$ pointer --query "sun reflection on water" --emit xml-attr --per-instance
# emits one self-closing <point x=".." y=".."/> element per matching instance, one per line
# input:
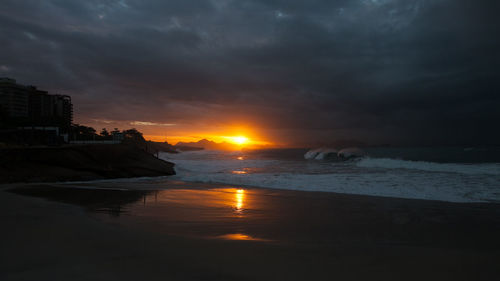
<point x="240" y="236"/>
<point x="240" y="197"/>
<point x="216" y="213"/>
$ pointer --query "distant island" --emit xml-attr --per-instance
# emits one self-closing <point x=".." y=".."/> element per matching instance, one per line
<point x="206" y="144"/>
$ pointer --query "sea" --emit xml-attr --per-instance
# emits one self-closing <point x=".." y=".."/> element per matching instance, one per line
<point x="453" y="174"/>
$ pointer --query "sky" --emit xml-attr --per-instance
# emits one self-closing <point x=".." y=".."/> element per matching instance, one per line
<point x="282" y="72"/>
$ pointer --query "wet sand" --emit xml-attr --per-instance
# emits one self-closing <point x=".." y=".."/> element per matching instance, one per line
<point x="177" y="231"/>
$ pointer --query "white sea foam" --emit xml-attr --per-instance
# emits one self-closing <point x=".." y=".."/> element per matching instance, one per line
<point x="320" y="153"/>
<point x="471" y="169"/>
<point x="368" y="176"/>
<point x="326" y="153"/>
<point x="329" y="153"/>
<point x="351" y="152"/>
<point x="391" y="185"/>
<point x="311" y="154"/>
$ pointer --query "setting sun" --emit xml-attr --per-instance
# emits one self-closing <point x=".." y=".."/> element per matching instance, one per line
<point x="240" y="140"/>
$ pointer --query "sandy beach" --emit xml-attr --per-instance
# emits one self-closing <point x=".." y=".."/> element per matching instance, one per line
<point x="187" y="231"/>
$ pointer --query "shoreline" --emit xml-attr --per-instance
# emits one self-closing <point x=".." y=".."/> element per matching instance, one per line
<point x="333" y="192"/>
<point x="166" y="179"/>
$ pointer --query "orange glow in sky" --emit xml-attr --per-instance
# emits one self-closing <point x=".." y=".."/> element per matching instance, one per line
<point x="239" y="140"/>
<point x="242" y="135"/>
<point x="242" y="138"/>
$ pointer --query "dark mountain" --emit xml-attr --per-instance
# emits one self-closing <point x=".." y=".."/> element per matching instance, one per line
<point x="207" y="144"/>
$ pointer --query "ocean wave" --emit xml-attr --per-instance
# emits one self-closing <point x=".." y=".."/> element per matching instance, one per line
<point x="401" y="185"/>
<point x="369" y="176"/>
<point x="470" y="169"/>
<point x="333" y="154"/>
<point x="351" y="152"/>
<point x="320" y="153"/>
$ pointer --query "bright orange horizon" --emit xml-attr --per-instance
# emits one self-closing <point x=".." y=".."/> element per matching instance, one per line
<point x="242" y="141"/>
<point x="241" y="135"/>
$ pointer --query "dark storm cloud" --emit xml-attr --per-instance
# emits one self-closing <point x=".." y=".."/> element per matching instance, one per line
<point x="416" y="71"/>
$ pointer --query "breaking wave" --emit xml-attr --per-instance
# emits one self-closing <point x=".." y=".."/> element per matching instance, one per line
<point x="320" y="153"/>
<point x="470" y="169"/>
<point x="333" y="154"/>
<point x="454" y="182"/>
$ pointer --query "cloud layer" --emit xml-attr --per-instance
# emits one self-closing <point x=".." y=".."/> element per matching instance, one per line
<point x="416" y="71"/>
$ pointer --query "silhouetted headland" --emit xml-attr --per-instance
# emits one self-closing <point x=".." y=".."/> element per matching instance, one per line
<point x="40" y="143"/>
<point x="79" y="162"/>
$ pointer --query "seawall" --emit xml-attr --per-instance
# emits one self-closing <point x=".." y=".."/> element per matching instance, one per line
<point x="81" y="162"/>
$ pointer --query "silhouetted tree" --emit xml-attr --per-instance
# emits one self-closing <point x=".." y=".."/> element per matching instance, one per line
<point x="104" y="133"/>
<point x="83" y="132"/>
<point x="134" y="135"/>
